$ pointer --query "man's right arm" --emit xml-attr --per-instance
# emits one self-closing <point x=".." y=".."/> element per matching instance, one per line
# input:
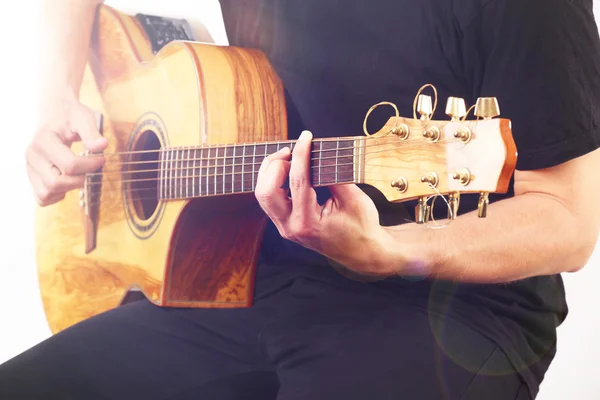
<point x="52" y="167"/>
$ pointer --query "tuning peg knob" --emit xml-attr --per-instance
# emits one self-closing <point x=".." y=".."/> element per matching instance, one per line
<point x="400" y="184"/>
<point x="456" y="108"/>
<point x="482" y="206"/>
<point x="425" y="106"/>
<point x="431" y="179"/>
<point x="487" y="108"/>
<point x="463" y="176"/>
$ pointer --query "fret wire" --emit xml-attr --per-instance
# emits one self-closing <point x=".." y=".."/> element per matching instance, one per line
<point x="243" y="165"/>
<point x="162" y="170"/>
<point x="171" y="174"/>
<point x="181" y="178"/>
<point x="176" y="161"/>
<point x="194" y="173"/>
<point x="233" y="169"/>
<point x="208" y="175"/>
<point x="216" y="159"/>
<point x="179" y="174"/>
<point x="203" y="162"/>
<point x="223" y="186"/>
<point x="223" y="169"/>
<point x="253" y="162"/>
<point x="167" y="175"/>
<point x="264" y="155"/>
<point x="320" y="160"/>
<point x="160" y="187"/>
<point x="337" y="154"/>
<point x="187" y="163"/>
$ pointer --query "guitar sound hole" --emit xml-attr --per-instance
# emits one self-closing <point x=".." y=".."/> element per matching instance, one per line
<point x="144" y="175"/>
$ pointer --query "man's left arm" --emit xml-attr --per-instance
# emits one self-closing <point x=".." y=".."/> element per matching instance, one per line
<point x="550" y="226"/>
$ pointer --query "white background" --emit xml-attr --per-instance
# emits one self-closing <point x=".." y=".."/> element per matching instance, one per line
<point x="575" y="373"/>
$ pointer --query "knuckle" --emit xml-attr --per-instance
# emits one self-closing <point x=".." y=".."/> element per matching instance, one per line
<point x="69" y="166"/>
<point x="42" y="195"/>
<point x="264" y="196"/>
<point x="298" y="233"/>
<point x="70" y="135"/>
<point x="36" y="146"/>
<point x="297" y="182"/>
<point x="52" y="184"/>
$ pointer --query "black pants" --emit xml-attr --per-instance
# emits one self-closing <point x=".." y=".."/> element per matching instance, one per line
<point x="310" y="340"/>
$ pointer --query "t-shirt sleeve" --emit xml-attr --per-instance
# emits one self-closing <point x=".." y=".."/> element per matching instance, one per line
<point x="541" y="59"/>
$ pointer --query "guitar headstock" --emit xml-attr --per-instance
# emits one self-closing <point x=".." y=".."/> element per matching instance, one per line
<point x="412" y="158"/>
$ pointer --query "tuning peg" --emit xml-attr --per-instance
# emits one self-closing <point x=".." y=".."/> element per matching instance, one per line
<point x="400" y="184"/>
<point x="482" y="206"/>
<point x="425" y="106"/>
<point x="463" y="176"/>
<point x="422" y="211"/>
<point x="453" y="202"/>
<point x="487" y="107"/>
<point x="431" y="179"/>
<point x="456" y="108"/>
<point x="432" y="133"/>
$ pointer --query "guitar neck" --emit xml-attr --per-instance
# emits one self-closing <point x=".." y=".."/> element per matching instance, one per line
<point x="193" y="172"/>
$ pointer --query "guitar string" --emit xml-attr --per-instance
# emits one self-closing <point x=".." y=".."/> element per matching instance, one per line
<point x="201" y="190"/>
<point x="257" y="163"/>
<point x="180" y="178"/>
<point x="173" y="173"/>
<point x="286" y="143"/>
<point x="188" y="167"/>
<point x="165" y="164"/>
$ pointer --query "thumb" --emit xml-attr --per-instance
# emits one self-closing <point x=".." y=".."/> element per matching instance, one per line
<point x="87" y="126"/>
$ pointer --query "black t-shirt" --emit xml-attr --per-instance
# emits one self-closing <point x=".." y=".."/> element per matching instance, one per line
<point x="336" y="58"/>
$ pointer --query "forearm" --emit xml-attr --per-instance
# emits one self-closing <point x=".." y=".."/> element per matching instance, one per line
<point x="65" y="34"/>
<point x="528" y="235"/>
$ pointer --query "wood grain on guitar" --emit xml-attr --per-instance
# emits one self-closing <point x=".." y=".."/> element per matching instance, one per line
<point x="174" y="211"/>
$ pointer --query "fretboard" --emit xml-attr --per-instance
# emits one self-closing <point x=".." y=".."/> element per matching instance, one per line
<point x="193" y="172"/>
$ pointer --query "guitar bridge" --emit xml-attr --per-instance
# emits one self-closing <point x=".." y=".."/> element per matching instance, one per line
<point x="90" y="200"/>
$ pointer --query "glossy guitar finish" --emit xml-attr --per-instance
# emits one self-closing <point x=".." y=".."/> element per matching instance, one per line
<point x="184" y="253"/>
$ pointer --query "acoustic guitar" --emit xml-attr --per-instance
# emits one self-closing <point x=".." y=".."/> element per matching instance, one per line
<point x="172" y="214"/>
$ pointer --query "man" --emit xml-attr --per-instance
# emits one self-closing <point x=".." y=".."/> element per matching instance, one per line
<point x="466" y="312"/>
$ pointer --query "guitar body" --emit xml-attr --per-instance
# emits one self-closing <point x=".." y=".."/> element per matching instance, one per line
<point x="177" y="253"/>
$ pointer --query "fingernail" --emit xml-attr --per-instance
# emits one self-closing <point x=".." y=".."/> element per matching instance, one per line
<point x="306" y="135"/>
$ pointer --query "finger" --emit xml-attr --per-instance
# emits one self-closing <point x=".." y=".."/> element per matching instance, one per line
<point x="50" y="176"/>
<point x="68" y="163"/>
<point x="272" y="174"/>
<point x="42" y="194"/>
<point x="85" y="125"/>
<point x="304" y="197"/>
